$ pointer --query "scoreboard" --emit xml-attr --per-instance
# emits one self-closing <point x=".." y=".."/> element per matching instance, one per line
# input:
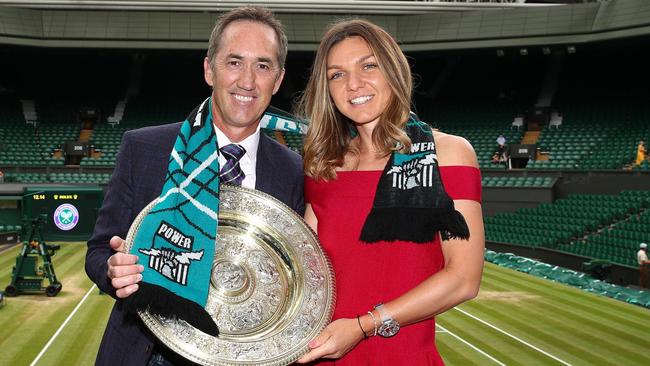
<point x="70" y="212"/>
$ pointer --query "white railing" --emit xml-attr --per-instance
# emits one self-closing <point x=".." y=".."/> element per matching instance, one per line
<point x="118" y="113"/>
<point x="29" y="111"/>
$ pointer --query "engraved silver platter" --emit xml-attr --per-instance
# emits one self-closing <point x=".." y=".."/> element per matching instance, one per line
<point x="271" y="291"/>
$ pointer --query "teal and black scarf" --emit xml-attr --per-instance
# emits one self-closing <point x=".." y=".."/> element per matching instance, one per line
<point x="176" y="239"/>
<point x="175" y="242"/>
<point x="411" y="203"/>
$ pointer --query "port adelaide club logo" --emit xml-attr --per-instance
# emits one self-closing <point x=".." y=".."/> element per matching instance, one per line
<point x="171" y="263"/>
<point x="415" y="170"/>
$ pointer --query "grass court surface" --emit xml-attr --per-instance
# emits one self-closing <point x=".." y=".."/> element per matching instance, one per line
<point x="517" y="319"/>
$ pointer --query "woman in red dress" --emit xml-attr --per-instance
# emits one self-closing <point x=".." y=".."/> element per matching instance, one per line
<point x="396" y="205"/>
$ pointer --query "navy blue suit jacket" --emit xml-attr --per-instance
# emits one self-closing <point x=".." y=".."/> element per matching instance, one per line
<point x="138" y="179"/>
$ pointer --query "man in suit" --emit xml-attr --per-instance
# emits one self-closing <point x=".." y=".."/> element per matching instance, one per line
<point x="244" y="66"/>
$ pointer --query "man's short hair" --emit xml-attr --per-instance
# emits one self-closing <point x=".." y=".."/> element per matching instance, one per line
<point x="252" y="14"/>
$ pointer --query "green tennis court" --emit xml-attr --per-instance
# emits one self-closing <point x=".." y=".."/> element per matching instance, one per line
<point x="517" y="319"/>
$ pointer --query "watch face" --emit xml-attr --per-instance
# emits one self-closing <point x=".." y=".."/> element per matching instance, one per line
<point x="388" y="329"/>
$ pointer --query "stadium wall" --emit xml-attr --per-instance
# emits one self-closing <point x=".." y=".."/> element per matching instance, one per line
<point x="509" y="199"/>
<point x="595" y="182"/>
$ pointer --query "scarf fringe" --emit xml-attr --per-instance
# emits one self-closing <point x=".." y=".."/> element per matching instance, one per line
<point x="418" y="225"/>
<point x="455" y="226"/>
<point x="160" y="301"/>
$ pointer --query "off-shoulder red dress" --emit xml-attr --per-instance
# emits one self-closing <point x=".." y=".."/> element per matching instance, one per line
<point x="367" y="274"/>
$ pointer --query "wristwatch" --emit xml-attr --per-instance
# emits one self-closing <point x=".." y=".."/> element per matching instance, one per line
<point x="389" y="326"/>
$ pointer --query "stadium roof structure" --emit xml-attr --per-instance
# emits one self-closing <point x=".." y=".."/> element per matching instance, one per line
<point x="397" y="7"/>
<point x="417" y="25"/>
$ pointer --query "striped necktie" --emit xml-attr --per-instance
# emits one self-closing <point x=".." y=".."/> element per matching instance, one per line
<point x="231" y="171"/>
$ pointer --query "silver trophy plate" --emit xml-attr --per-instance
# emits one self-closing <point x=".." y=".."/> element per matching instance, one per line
<point x="271" y="287"/>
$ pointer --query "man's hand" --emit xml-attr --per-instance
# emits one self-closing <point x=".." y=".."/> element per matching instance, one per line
<point x="123" y="269"/>
<point x="337" y="339"/>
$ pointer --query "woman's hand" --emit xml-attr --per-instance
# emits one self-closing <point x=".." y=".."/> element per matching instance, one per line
<point x="337" y="339"/>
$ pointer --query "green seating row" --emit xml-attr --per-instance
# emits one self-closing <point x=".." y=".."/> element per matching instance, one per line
<point x="85" y="178"/>
<point x="518" y="182"/>
<point x="589" y="138"/>
<point x="566" y="221"/>
<point x="293" y="140"/>
<point x="480" y="125"/>
<point x="10" y="228"/>
<point x="616" y="255"/>
<point x="595" y="138"/>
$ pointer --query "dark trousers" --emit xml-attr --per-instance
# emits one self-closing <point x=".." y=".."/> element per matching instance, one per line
<point x="159" y="360"/>
<point x="643" y="275"/>
<point x="162" y="356"/>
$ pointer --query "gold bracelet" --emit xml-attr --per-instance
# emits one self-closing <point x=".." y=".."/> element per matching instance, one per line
<point x="374" y="322"/>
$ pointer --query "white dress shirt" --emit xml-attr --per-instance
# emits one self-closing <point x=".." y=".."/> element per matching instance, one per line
<point x="249" y="161"/>
<point x="641" y="256"/>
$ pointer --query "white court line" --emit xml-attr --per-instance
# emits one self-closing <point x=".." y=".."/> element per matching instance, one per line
<point x="471" y="345"/>
<point x="61" y="327"/>
<point x="514" y="337"/>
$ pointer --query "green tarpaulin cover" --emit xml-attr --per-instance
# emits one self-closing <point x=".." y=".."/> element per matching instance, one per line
<point x="568" y="277"/>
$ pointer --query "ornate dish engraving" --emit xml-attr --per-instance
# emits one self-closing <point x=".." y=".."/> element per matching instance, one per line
<point x="271" y="287"/>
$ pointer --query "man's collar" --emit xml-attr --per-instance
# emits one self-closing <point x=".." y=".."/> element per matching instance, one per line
<point x="250" y="143"/>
